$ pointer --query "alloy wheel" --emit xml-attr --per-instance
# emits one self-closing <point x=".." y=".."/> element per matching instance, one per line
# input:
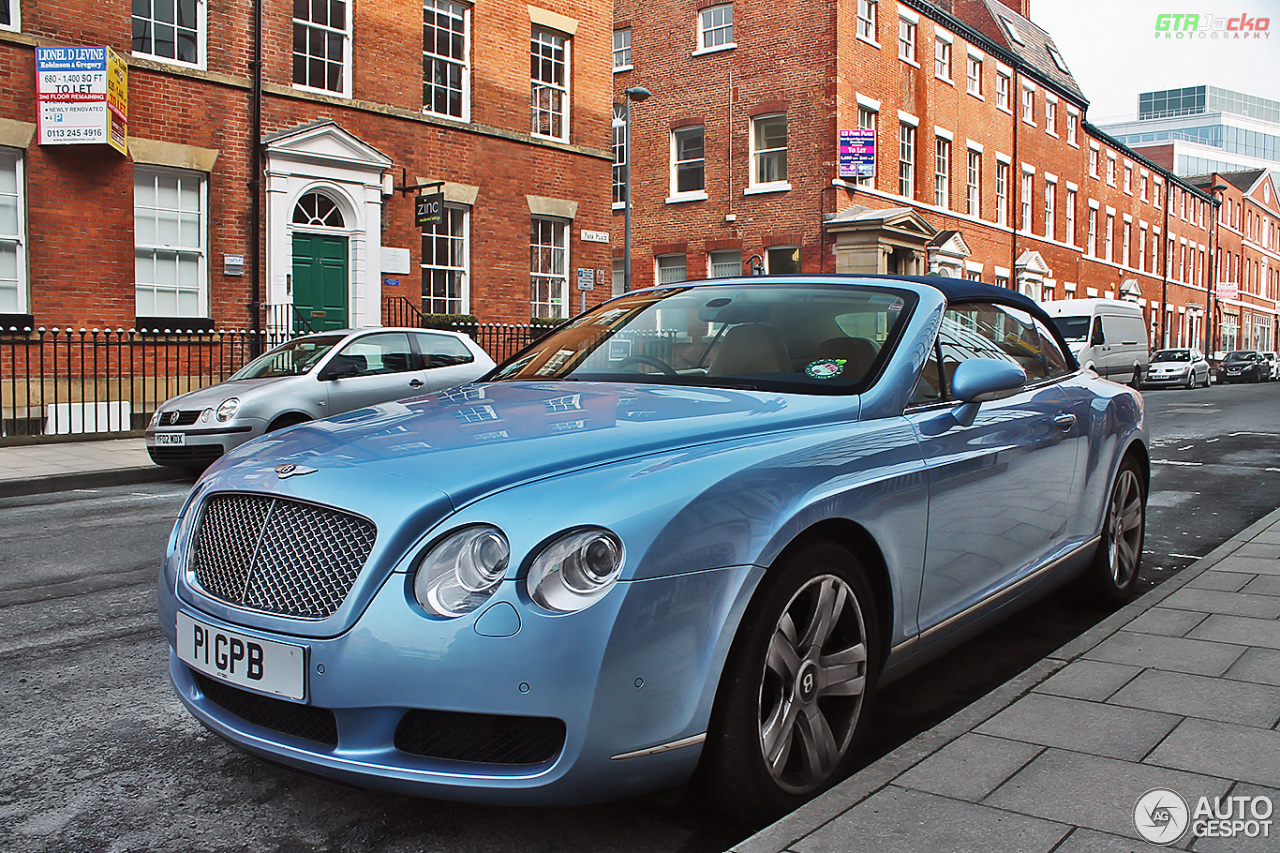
<point x="1125" y="528"/>
<point x="813" y="684"/>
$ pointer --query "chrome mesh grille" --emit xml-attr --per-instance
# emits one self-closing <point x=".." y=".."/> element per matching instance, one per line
<point x="279" y="556"/>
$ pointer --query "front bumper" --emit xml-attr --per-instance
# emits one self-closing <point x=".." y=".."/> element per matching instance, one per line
<point x="634" y="672"/>
<point x="200" y="445"/>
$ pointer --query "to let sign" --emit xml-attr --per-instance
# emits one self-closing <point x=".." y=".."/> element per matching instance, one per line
<point x="428" y="210"/>
<point x="857" y="153"/>
<point x="83" y="97"/>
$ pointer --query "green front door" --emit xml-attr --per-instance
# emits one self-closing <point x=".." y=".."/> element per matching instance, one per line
<point x="320" y="281"/>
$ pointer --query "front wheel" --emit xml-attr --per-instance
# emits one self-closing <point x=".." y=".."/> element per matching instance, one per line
<point x="793" y="697"/>
<point x="1191" y="380"/>
<point x="1115" y="564"/>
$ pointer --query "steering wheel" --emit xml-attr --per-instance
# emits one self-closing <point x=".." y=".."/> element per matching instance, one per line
<point x="651" y="361"/>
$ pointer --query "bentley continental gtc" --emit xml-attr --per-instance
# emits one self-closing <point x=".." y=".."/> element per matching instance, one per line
<point x="686" y="535"/>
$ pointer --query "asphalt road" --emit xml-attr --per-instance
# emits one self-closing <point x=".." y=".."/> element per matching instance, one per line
<point x="100" y="757"/>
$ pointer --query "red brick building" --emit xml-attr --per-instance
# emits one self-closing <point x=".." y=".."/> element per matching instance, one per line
<point x="353" y="102"/>
<point x="1247" y="237"/>
<point x="975" y="156"/>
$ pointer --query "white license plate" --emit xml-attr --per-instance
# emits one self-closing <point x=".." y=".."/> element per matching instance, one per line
<point x="171" y="438"/>
<point x="252" y="662"/>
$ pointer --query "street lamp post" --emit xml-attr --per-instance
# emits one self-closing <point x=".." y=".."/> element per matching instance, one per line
<point x="1215" y="250"/>
<point x="637" y="94"/>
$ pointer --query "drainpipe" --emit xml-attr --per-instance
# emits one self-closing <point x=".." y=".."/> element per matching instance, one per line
<point x="1165" y="239"/>
<point x="1015" y="180"/>
<point x="255" y="188"/>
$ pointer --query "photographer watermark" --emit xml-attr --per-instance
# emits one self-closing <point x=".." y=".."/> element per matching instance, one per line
<point x="1162" y="816"/>
<point x="1233" y="27"/>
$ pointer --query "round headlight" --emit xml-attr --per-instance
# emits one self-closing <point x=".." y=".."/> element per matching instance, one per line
<point x="155" y="420"/>
<point x="227" y="408"/>
<point x="462" y="570"/>
<point x="576" y="570"/>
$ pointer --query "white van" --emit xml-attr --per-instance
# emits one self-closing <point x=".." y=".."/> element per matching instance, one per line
<point x="1106" y="335"/>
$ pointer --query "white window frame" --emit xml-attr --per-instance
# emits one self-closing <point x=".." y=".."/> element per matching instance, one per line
<point x="545" y="39"/>
<point x="622" y="52"/>
<point x="1128" y="178"/>
<point x="458" y="215"/>
<point x="973" y="183"/>
<point x="866" y="28"/>
<point x="1093" y="160"/>
<point x="709" y="28"/>
<point x="555" y="281"/>
<point x="1142" y="247"/>
<point x="1069" y="216"/>
<point x="973" y="75"/>
<point x="12" y="162"/>
<point x="724" y="263"/>
<point x="942" y="172"/>
<point x="907" y="32"/>
<point x="1091" y="240"/>
<point x="687" y="195"/>
<point x="868" y="119"/>
<point x="1028" y="105"/>
<point x="759" y="155"/>
<point x="15" y="17"/>
<point x="201" y="30"/>
<point x="1004" y="91"/>
<point x="1111" y="169"/>
<point x="154" y="248"/>
<point x="455" y="11"/>
<point x="1050" y="115"/>
<point x="1050" y="203"/>
<point x="619" y="128"/>
<point x="1126" y="241"/>
<point x="1002" y="192"/>
<point x="906" y="159"/>
<point x="665" y="268"/>
<point x="345" y="90"/>
<point x="1027" y="193"/>
<point x="1073" y="127"/>
<point x="942" y="58"/>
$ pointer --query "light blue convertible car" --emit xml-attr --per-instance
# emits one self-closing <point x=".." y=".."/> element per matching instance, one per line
<point x="692" y="530"/>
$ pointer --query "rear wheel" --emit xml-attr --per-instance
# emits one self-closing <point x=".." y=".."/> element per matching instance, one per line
<point x="793" y="698"/>
<point x="1115" y="564"/>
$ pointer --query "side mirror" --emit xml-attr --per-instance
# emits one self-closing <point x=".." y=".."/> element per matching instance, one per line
<point x="339" y="369"/>
<point x="1097" y="339"/>
<point x="978" y="380"/>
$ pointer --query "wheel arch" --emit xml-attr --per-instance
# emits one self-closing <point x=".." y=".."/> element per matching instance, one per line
<point x="287" y="419"/>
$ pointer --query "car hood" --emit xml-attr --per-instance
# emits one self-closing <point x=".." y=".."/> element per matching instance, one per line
<point x="212" y="396"/>
<point x="481" y="438"/>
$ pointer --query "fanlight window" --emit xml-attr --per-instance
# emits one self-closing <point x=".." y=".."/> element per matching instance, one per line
<point x="317" y="209"/>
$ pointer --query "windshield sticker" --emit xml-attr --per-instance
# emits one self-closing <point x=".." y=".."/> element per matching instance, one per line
<point x="826" y="368"/>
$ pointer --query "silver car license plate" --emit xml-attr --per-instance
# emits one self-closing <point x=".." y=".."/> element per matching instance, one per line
<point x="167" y="439"/>
<point x="263" y="665"/>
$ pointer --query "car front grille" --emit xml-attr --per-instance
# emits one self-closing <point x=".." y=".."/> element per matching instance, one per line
<point x="279" y="556"/>
<point x="290" y="718"/>
<point x="480" y="738"/>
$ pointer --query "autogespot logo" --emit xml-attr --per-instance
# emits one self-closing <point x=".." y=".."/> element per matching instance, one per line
<point x="1231" y="27"/>
<point x="1160" y="816"/>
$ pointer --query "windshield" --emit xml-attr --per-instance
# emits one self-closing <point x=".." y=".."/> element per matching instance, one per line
<point x="1172" y="355"/>
<point x="784" y="337"/>
<point x="292" y="359"/>
<point x="1240" y="355"/>
<point x="1074" y="329"/>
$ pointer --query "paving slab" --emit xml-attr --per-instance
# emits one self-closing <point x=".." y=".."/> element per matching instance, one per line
<point x="1081" y="726"/>
<point x="1166" y="621"/>
<point x="1220" y="699"/>
<point x="1242" y="603"/>
<point x="1226" y="581"/>
<point x="1261" y="666"/>
<point x="969" y="768"/>
<point x="897" y="820"/>
<point x="1089" y="679"/>
<point x="1240" y="630"/>
<point x="1177" y="654"/>
<point x="1226" y="750"/>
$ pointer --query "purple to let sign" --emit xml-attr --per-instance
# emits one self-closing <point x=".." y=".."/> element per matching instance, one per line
<point x="857" y="153"/>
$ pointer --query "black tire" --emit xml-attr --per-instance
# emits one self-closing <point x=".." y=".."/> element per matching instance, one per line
<point x="1191" y="380"/>
<point x="793" y="698"/>
<point x="1135" y="382"/>
<point x="1114" y="572"/>
<point x="287" y="421"/>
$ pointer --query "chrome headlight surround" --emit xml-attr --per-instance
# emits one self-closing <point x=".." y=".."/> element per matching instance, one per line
<point x="576" y="569"/>
<point x="227" y="409"/>
<point x="461" y="571"/>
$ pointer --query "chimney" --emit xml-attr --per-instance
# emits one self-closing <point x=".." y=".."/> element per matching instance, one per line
<point x="1022" y="7"/>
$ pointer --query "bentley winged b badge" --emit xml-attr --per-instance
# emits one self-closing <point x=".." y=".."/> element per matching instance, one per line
<point x="284" y="472"/>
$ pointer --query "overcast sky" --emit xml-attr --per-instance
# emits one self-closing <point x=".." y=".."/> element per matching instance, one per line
<point x="1112" y="49"/>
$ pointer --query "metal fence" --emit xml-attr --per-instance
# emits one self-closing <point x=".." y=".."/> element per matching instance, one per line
<point x="85" y="381"/>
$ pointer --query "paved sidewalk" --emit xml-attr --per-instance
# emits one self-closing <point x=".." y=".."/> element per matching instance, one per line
<point x="1179" y="690"/>
<point x="33" y="469"/>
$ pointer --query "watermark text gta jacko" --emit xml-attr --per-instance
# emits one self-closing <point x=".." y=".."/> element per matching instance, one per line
<point x="1232" y="27"/>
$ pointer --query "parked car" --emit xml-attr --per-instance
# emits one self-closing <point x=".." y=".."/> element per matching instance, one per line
<point x="696" y="527"/>
<point x="1105" y="335"/>
<point x="307" y="378"/>
<point x="1274" y="360"/>
<point x="1181" y="366"/>
<point x="1243" y="366"/>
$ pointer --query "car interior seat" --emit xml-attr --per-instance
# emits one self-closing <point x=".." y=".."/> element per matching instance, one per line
<point x="750" y="348"/>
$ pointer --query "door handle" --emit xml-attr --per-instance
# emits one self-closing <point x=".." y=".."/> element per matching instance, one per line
<point x="415" y="383"/>
<point x="1065" y="421"/>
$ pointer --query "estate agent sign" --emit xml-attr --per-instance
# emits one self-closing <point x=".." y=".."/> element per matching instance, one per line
<point x="83" y="96"/>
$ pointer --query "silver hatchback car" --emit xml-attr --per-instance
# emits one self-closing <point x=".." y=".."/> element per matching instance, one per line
<point x="308" y="378"/>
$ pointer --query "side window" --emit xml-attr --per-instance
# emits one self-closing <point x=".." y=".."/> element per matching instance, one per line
<point x="984" y="330"/>
<point x="387" y="352"/>
<point x="443" y="351"/>
<point x="1056" y="362"/>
